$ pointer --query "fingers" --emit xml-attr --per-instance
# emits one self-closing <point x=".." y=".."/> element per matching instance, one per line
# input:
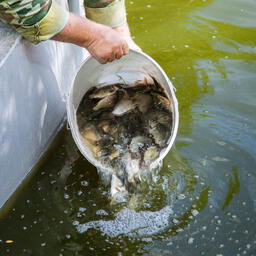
<point x="125" y="48"/>
<point x="116" y="54"/>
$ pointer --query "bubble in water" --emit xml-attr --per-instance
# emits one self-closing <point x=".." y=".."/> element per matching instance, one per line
<point x="195" y="212"/>
<point x="66" y="196"/>
<point x="175" y="221"/>
<point x="84" y="183"/>
<point x="190" y="240"/>
<point x="131" y="223"/>
<point x="82" y="209"/>
<point x="181" y="196"/>
<point x="79" y="193"/>
<point x="75" y="222"/>
<point x="101" y="213"/>
<point x="204" y="228"/>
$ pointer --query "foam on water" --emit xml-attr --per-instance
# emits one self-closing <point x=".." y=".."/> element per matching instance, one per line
<point x="131" y="223"/>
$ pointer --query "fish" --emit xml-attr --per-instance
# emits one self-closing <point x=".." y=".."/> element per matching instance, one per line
<point x="123" y="106"/>
<point x="151" y="154"/>
<point x="106" y="102"/>
<point x="138" y="142"/>
<point x="125" y="127"/>
<point x="103" y="92"/>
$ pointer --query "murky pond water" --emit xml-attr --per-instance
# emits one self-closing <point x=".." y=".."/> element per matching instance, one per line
<point x="203" y="202"/>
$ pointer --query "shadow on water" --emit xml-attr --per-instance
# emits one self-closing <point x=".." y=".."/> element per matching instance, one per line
<point x="203" y="200"/>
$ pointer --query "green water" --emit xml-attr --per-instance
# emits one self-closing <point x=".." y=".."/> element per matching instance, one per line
<point x="203" y="202"/>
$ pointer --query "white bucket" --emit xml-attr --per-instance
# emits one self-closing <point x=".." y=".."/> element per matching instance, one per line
<point x="130" y="68"/>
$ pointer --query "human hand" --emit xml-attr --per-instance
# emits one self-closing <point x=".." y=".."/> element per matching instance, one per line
<point x="124" y="32"/>
<point x="107" y="44"/>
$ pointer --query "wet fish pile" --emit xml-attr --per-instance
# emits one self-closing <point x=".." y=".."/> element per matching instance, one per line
<point x="125" y="128"/>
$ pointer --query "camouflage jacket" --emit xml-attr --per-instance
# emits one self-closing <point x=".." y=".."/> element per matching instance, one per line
<point x="39" y="20"/>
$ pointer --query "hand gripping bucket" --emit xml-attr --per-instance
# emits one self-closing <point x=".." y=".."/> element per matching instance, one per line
<point x="130" y="68"/>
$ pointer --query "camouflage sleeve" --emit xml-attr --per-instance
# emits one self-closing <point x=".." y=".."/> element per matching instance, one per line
<point x="36" y="20"/>
<point x="108" y="12"/>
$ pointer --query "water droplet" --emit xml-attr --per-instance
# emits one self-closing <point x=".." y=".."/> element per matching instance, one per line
<point x="43" y="244"/>
<point x="148" y="5"/>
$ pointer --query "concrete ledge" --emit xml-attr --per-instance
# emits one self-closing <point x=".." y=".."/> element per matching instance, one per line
<point x="34" y="81"/>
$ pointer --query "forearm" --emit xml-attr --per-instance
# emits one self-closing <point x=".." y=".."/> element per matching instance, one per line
<point x="101" y="41"/>
<point x="78" y="31"/>
<point x="40" y="20"/>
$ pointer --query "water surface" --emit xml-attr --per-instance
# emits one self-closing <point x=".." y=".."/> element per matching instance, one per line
<point x="203" y="202"/>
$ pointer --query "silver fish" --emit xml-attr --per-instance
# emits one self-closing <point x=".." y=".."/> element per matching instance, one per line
<point x="104" y="92"/>
<point x="107" y="102"/>
<point x="151" y="154"/>
<point x="123" y="106"/>
<point x="139" y="142"/>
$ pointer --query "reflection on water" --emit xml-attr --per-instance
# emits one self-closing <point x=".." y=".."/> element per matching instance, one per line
<point x="203" y="200"/>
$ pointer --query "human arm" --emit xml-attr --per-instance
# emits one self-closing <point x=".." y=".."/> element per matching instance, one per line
<point x="102" y="42"/>
<point x="40" y="20"/>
